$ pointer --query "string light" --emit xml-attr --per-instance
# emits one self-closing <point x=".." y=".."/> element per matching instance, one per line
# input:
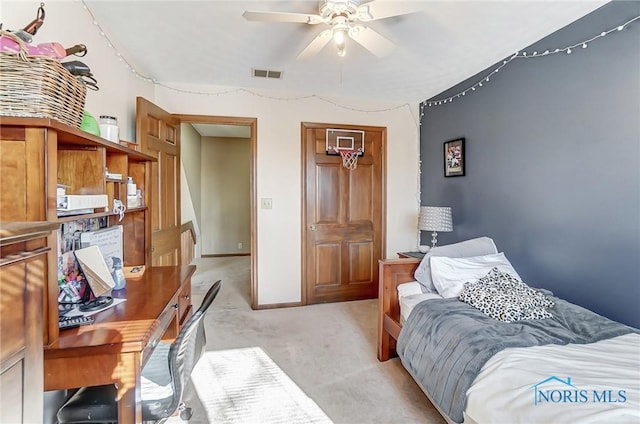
<point x="520" y="55"/>
<point x="130" y="67"/>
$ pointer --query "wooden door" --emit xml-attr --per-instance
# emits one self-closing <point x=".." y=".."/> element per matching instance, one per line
<point x="343" y="217"/>
<point x="158" y="133"/>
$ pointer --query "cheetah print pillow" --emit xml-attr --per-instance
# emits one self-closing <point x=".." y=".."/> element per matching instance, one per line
<point x="504" y="297"/>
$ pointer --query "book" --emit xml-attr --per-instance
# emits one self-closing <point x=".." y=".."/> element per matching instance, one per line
<point x="94" y="268"/>
<point x="109" y="240"/>
<point x="72" y="202"/>
<point x="113" y="175"/>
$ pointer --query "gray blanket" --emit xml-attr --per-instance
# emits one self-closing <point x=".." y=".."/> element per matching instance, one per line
<point x="445" y="343"/>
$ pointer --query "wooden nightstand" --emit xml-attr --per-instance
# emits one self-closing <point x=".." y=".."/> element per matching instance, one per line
<point x="418" y="255"/>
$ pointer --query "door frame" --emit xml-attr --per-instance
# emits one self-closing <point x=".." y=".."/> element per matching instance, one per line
<point x="253" y="124"/>
<point x="303" y="193"/>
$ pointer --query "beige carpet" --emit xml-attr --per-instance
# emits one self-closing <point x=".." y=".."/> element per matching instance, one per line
<point x="327" y="350"/>
<point x="246" y="386"/>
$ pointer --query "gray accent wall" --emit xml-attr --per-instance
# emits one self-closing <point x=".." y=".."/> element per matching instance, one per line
<point x="552" y="164"/>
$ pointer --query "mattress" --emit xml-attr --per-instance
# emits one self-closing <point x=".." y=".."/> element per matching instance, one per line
<point x="409" y="295"/>
<point x="594" y="378"/>
<point x="602" y="378"/>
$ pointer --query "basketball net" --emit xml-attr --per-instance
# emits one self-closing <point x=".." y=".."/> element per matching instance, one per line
<point x="349" y="157"/>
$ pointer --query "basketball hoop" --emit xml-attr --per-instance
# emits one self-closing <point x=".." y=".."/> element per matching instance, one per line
<point x="349" y="157"/>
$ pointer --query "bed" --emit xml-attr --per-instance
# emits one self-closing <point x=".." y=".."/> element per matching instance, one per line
<point x="570" y="365"/>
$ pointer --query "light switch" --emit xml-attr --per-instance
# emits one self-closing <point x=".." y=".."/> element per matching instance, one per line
<point x="266" y="203"/>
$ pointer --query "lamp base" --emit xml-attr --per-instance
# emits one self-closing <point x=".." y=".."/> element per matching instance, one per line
<point x="434" y="239"/>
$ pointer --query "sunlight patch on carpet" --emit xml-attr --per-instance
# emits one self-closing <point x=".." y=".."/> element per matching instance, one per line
<point x="246" y="386"/>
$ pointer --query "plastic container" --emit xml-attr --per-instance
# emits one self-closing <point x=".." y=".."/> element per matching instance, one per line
<point x="132" y="194"/>
<point x="139" y="196"/>
<point x="131" y="187"/>
<point x="109" y="128"/>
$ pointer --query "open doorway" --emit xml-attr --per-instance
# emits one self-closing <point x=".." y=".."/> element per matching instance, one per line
<point x="223" y="203"/>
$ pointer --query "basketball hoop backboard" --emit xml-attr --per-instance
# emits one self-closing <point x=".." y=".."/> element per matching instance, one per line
<point x="337" y="140"/>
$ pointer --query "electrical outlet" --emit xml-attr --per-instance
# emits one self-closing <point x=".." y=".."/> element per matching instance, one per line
<point x="239" y="245"/>
<point x="266" y="203"/>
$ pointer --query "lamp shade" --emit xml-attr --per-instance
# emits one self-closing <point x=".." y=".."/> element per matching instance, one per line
<point x="435" y="218"/>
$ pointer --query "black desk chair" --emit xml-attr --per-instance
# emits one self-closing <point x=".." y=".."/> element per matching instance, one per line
<point x="164" y="378"/>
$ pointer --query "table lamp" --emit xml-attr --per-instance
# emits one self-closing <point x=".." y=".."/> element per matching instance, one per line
<point x="435" y="218"/>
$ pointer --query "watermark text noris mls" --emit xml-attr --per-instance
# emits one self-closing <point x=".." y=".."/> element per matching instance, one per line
<point x="557" y="390"/>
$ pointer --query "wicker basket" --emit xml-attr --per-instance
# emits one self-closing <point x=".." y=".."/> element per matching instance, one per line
<point x="39" y="87"/>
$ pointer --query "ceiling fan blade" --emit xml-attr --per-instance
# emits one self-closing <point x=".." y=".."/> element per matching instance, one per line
<point x="303" y="18"/>
<point x="316" y="45"/>
<point x="376" y="9"/>
<point x="372" y="41"/>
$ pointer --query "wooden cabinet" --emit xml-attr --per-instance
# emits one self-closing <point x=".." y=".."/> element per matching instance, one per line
<point x="23" y="193"/>
<point x="37" y="154"/>
<point x="25" y="257"/>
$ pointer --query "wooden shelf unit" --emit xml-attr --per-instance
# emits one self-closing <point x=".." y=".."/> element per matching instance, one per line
<point x="37" y="154"/>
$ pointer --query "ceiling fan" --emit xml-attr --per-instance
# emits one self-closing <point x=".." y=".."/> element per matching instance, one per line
<point x="344" y="18"/>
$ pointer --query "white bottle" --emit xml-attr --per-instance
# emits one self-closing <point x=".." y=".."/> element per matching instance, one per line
<point x="132" y="197"/>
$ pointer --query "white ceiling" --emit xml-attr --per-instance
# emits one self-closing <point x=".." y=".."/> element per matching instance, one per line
<point x="209" y="42"/>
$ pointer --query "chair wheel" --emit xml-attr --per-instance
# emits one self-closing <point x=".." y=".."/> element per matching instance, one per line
<point x="186" y="413"/>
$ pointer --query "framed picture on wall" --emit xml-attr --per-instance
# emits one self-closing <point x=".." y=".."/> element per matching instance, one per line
<point x="454" y="161"/>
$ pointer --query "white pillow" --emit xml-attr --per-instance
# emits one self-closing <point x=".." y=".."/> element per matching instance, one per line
<point x="409" y="289"/>
<point x="473" y="247"/>
<point x="450" y="274"/>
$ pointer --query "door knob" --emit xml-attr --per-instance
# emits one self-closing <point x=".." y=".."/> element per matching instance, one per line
<point x="312" y="227"/>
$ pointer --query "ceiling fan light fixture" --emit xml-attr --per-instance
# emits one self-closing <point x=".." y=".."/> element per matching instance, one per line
<point x="343" y="18"/>
<point x="340" y="36"/>
<point x="340" y="32"/>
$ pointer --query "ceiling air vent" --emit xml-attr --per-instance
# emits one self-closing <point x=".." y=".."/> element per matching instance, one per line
<point x="265" y="73"/>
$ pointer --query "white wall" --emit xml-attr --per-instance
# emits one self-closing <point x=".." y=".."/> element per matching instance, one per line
<point x="279" y="171"/>
<point x="190" y="142"/>
<point x="187" y="212"/>
<point x="278" y="164"/>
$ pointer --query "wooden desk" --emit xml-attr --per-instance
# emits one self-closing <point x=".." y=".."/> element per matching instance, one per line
<point x="116" y="346"/>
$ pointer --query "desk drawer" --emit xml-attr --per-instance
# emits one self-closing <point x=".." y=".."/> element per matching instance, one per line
<point x="165" y="323"/>
<point x="13" y="291"/>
